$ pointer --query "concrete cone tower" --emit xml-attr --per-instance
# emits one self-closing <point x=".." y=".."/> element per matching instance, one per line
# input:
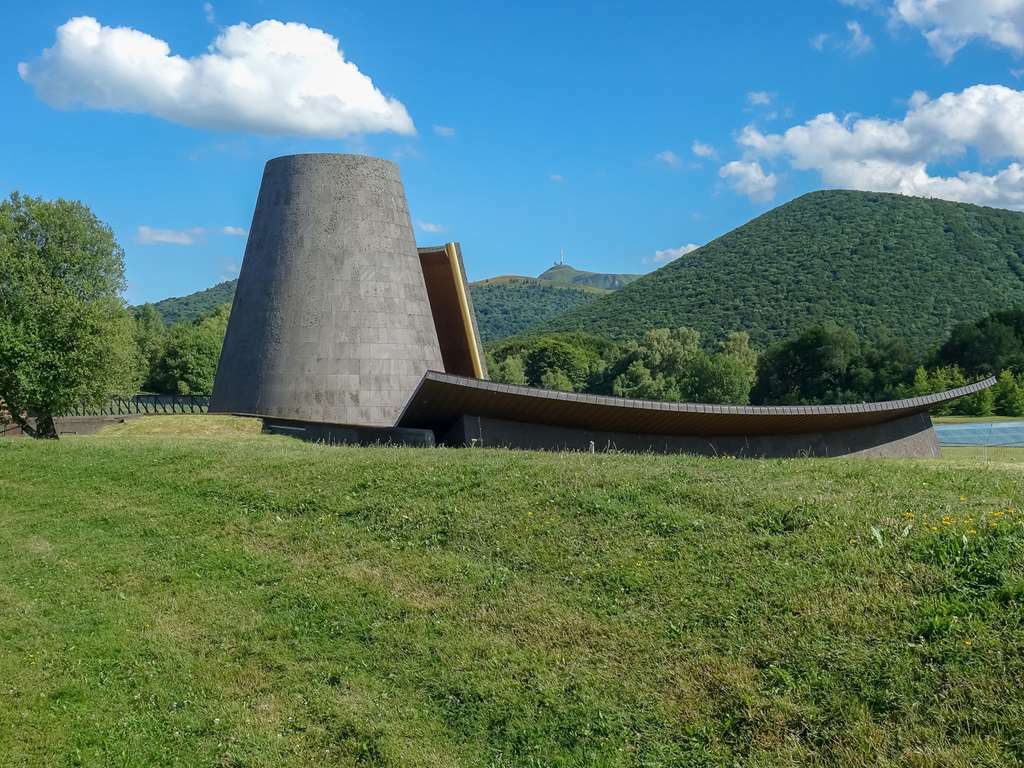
<point x="331" y="321"/>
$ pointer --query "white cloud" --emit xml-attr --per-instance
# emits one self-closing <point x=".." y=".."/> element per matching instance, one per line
<point x="949" y="25"/>
<point x="444" y="131"/>
<point x="152" y="236"/>
<point x="671" y="254"/>
<point x="893" y="155"/>
<point x="557" y="178"/>
<point x="859" y="42"/>
<point x="759" y="98"/>
<point x="426" y="226"/>
<point x="703" y="150"/>
<point x="669" y="158"/>
<point x="819" y="40"/>
<point x="208" y="11"/>
<point x="234" y="231"/>
<point x="271" y="78"/>
<point x="749" y="178"/>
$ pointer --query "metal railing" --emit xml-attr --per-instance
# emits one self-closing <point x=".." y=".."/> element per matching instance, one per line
<point x="145" y="405"/>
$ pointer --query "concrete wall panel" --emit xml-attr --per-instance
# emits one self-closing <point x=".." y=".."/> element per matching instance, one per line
<point x="910" y="436"/>
<point x="331" y="320"/>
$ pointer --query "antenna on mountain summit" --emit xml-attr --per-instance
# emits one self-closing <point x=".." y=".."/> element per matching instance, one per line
<point x="561" y="257"/>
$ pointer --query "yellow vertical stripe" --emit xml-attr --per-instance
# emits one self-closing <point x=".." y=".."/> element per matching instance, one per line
<point x="467" y="318"/>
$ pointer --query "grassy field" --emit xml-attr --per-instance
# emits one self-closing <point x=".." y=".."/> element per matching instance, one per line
<point x="231" y="599"/>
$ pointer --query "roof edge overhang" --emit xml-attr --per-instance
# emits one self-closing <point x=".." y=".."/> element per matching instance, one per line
<point x="440" y="398"/>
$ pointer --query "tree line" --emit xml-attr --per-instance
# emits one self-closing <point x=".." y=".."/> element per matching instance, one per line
<point x="824" y="364"/>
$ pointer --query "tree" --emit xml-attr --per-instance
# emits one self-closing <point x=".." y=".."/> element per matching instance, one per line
<point x="638" y="382"/>
<point x="814" y="367"/>
<point x="508" y="371"/>
<point x="550" y="356"/>
<point x="1008" y="394"/>
<point x="191" y="353"/>
<point x="66" y="337"/>
<point x="555" y="379"/>
<point x="150" y="341"/>
<point x="671" y="365"/>
<point x="994" y="343"/>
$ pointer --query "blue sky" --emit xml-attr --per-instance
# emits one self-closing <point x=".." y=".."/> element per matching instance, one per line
<point x="621" y="132"/>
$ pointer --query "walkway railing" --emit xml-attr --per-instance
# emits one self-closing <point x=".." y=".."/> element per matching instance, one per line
<point x="145" y="405"/>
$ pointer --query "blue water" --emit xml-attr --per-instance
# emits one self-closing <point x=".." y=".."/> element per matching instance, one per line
<point x="1003" y="433"/>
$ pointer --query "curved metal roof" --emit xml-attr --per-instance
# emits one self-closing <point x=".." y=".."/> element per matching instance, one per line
<point x="441" y="398"/>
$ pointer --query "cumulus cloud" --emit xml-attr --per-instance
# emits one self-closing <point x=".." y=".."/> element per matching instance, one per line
<point x="271" y="78"/>
<point x="759" y="98"/>
<point x="703" y="150"/>
<point x="671" y="254"/>
<point x="819" y="40"/>
<point x="444" y="131"/>
<point x="557" y="178"/>
<point x="893" y="155"/>
<point x="426" y="226"/>
<point x="750" y="179"/>
<point x="949" y="25"/>
<point x="153" y="236"/>
<point x="234" y="231"/>
<point x="208" y="11"/>
<point x="669" y="158"/>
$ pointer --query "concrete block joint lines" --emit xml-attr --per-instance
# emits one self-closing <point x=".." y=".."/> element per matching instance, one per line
<point x="331" y="320"/>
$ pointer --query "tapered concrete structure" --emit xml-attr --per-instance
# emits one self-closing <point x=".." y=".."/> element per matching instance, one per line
<point x="331" y="321"/>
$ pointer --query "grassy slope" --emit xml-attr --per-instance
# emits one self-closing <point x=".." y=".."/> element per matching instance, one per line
<point x="263" y="602"/>
<point x="911" y="266"/>
<point x="563" y="273"/>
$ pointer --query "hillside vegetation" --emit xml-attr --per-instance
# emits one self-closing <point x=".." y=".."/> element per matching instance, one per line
<point x="911" y="266"/>
<point x="262" y="602"/>
<point x="504" y="305"/>
<point x="188" y="309"/>
<point x="509" y="305"/>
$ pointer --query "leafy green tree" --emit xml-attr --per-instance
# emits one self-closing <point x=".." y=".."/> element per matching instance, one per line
<point x="1008" y="394"/>
<point x="994" y="343"/>
<point x="549" y="355"/>
<point x="191" y="352"/>
<point x="638" y="382"/>
<point x="979" y="404"/>
<point x="66" y="337"/>
<point x="554" y="378"/>
<point x="150" y="341"/>
<point x="814" y="367"/>
<point x="509" y="371"/>
<point x="671" y="365"/>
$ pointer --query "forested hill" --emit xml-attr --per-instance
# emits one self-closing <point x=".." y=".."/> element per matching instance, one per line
<point x="507" y="306"/>
<point x="504" y="305"/>
<point x="910" y="266"/>
<point x="196" y="305"/>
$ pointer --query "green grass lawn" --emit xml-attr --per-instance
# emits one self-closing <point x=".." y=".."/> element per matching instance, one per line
<point x="223" y="598"/>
